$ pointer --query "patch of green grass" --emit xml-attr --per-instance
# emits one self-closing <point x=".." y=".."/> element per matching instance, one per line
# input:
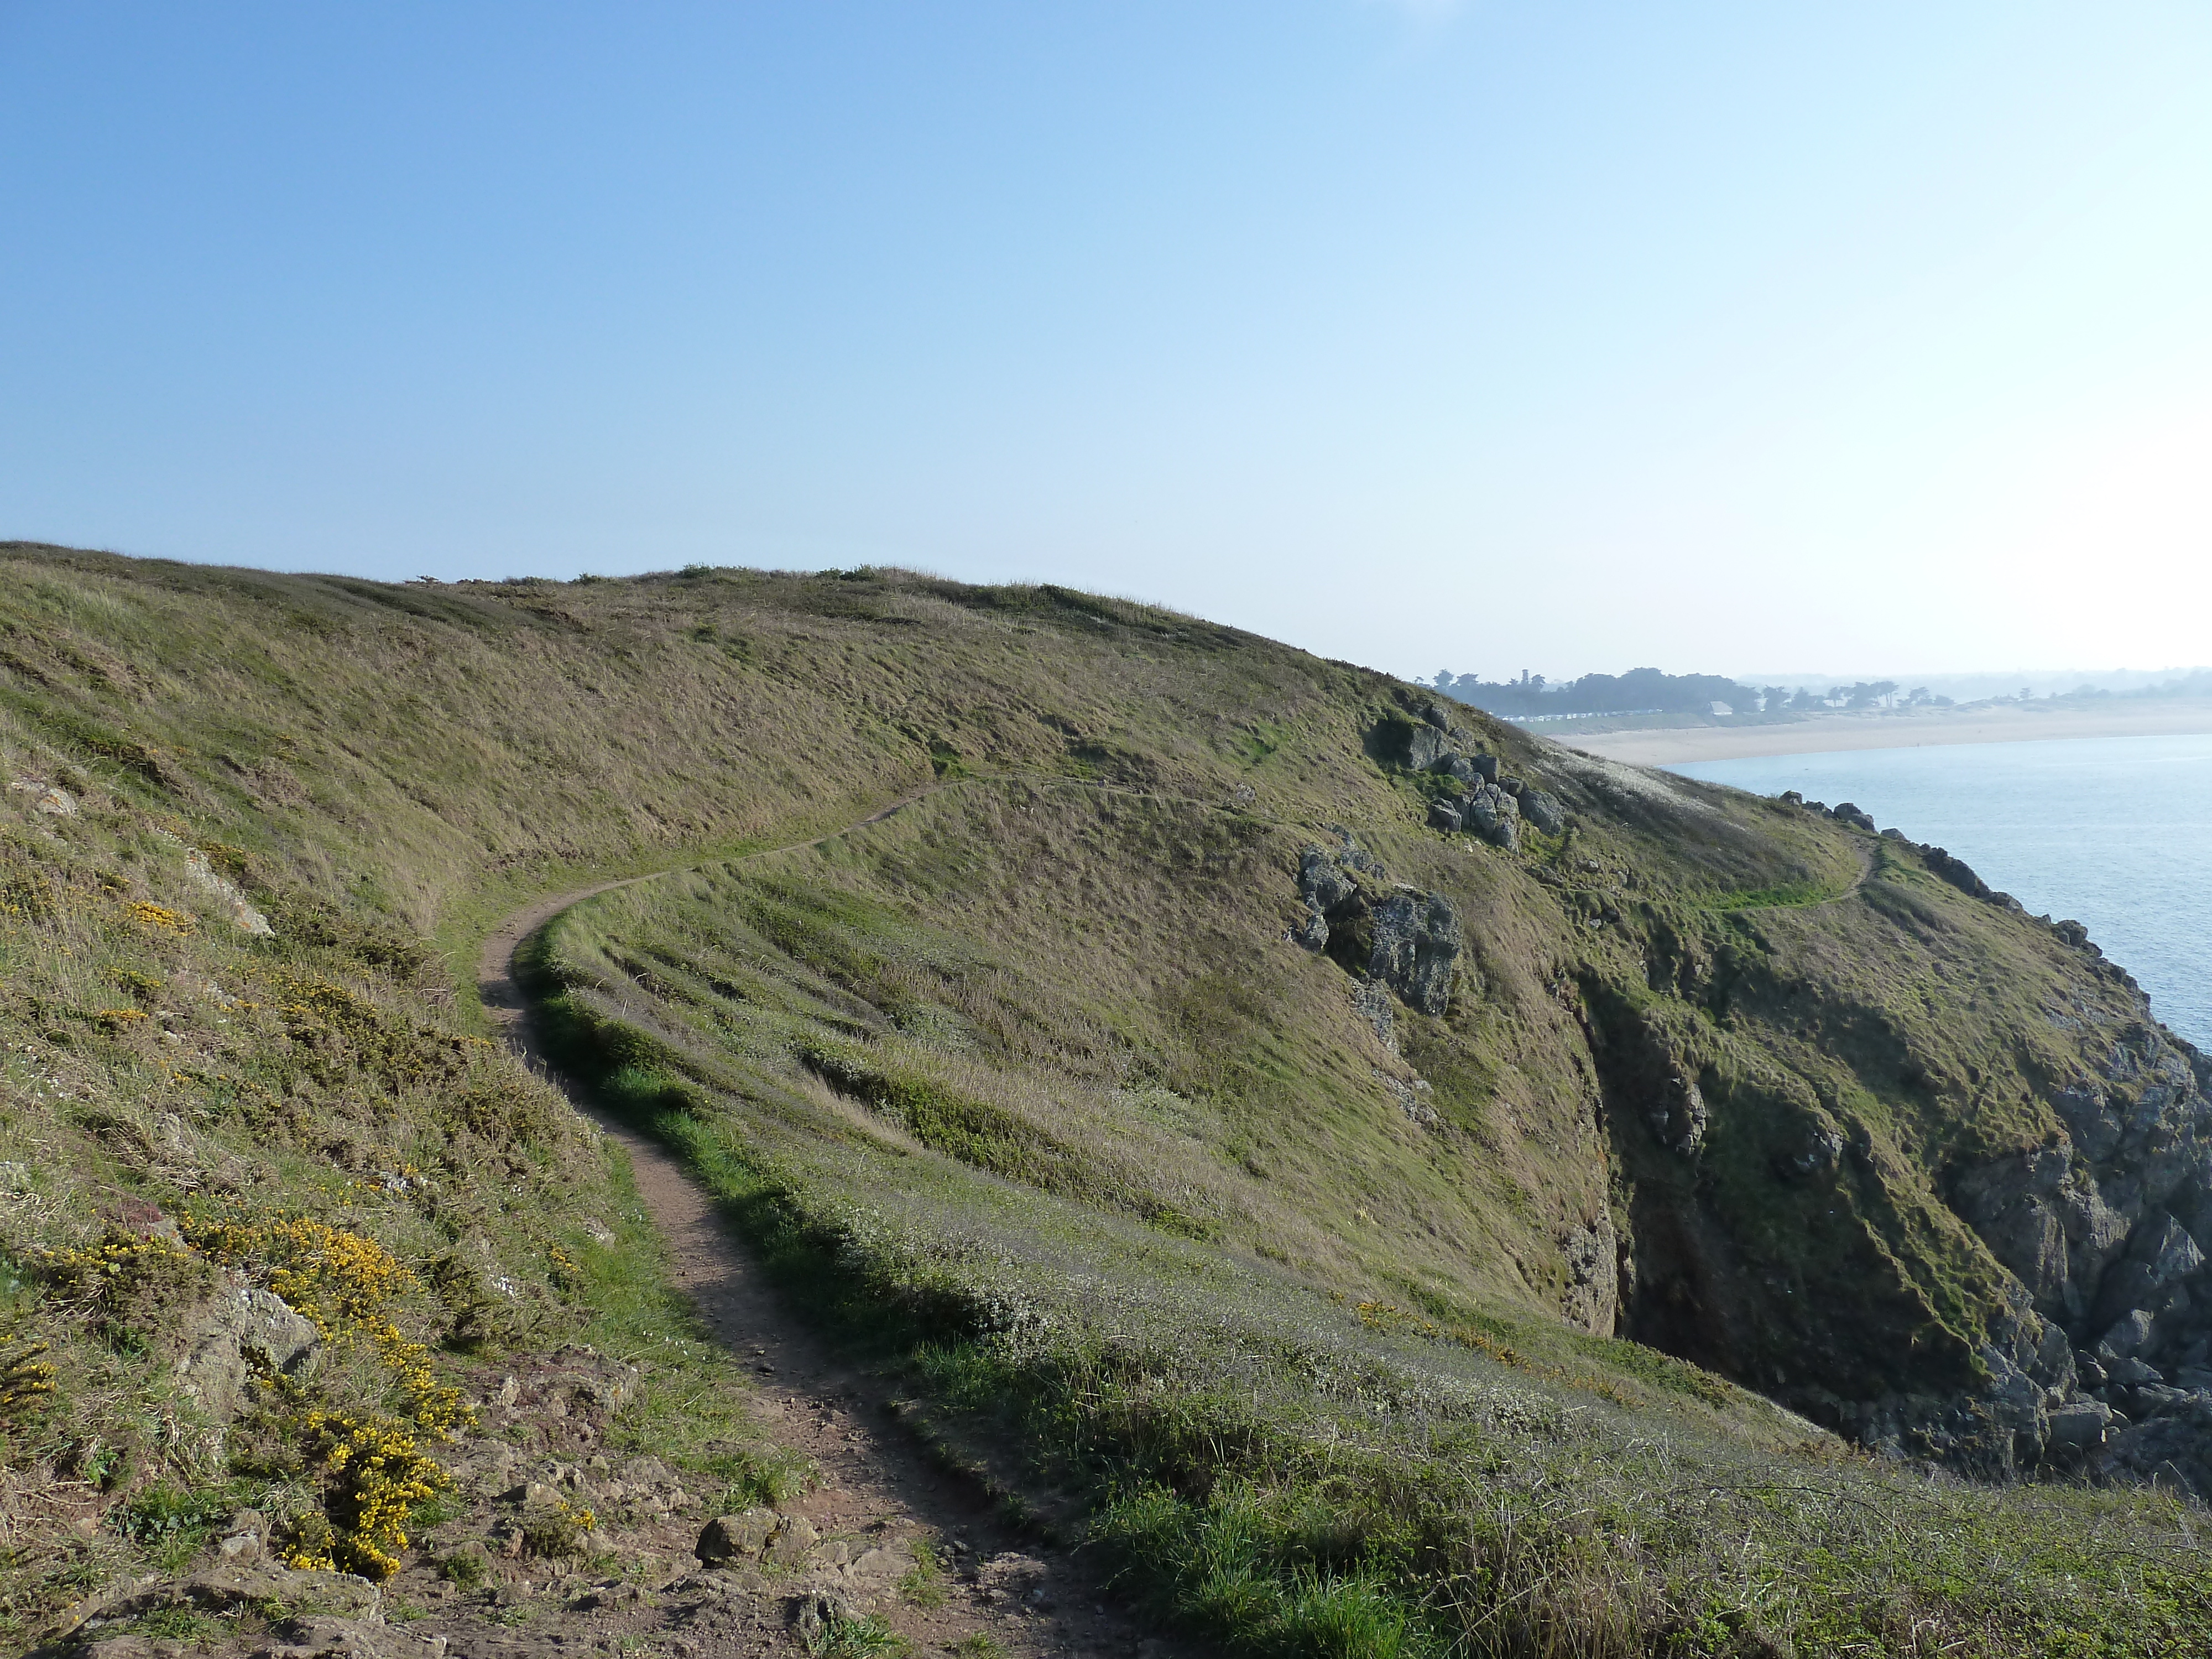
<point x="1246" y="1573"/>
<point x="435" y="1511"/>
<point x="768" y="1476"/>
<point x="859" y="1637"/>
<point x="924" y="1583"/>
<point x="1788" y="895"/>
<point x="176" y="1625"/>
<point x="173" y="1522"/>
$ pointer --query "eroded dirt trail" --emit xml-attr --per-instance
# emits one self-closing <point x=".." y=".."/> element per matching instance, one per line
<point x="881" y="1486"/>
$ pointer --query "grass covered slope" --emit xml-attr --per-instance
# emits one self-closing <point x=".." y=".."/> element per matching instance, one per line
<point x="1028" y="1085"/>
<point x="1314" y="1295"/>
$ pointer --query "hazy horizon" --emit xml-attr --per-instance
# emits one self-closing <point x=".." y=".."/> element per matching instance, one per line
<point x="1483" y="335"/>
<point x="2041" y="682"/>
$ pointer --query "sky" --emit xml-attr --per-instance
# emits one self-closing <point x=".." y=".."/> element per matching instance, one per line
<point x="1430" y="336"/>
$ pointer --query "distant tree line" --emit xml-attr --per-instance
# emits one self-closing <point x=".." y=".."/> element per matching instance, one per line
<point x="1647" y="690"/>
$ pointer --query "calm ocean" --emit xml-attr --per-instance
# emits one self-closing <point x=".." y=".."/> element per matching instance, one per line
<point x="2115" y="832"/>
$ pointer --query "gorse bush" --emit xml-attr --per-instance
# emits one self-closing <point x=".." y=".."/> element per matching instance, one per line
<point x="343" y="1283"/>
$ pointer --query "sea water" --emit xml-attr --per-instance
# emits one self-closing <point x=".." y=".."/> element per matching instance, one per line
<point x="2113" y="832"/>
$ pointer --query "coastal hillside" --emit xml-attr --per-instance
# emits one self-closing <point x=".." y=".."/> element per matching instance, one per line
<point x="1378" y="1181"/>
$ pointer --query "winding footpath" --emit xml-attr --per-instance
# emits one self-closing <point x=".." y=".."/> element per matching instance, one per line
<point x="1002" y="1585"/>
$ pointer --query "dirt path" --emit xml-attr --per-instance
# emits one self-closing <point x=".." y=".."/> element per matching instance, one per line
<point x="1025" y="1600"/>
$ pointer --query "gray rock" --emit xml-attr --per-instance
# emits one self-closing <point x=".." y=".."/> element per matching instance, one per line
<point x="1425" y="747"/>
<point x="1370" y="999"/>
<point x="1444" y="817"/>
<point x="339" y="1595"/>
<point x="2128" y="1336"/>
<point x="2177" y="1445"/>
<point x="2156" y="1399"/>
<point x="1677" y="1115"/>
<point x="647" y="1471"/>
<point x="2079" y="1425"/>
<point x="1322" y="881"/>
<point x="1822" y="1150"/>
<point x="2014" y="1404"/>
<point x="736" y="1537"/>
<point x="1461" y="768"/>
<point x="1417" y="948"/>
<point x="1485" y="767"/>
<point x="1591" y="1254"/>
<point x="2132" y="1373"/>
<point x="1435" y="717"/>
<point x="1492" y="814"/>
<point x="795" y="1538"/>
<point x="1544" y="810"/>
<point x="2171" y="1254"/>
<point x="243" y="1325"/>
<point x="1847" y="813"/>
<point x="1954" y="870"/>
<point x="881" y="1564"/>
<point x="2149" y="1281"/>
<point x="1409" y="1100"/>
<point x="2042" y="1216"/>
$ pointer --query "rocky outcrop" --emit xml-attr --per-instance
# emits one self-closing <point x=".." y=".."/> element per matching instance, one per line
<point x="235" y="904"/>
<point x="1417" y="948"/>
<point x="244" y="1328"/>
<point x="1489" y="812"/>
<point x="1392" y="934"/>
<point x="1490" y="806"/>
<point x="1428" y="748"/>
<point x="1591" y="1255"/>
<point x="1328" y="881"/>
<point x="2106" y="1230"/>
<point x="1543" y="811"/>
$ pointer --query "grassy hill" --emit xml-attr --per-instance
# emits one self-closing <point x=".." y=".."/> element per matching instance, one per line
<point x="1544" y="1323"/>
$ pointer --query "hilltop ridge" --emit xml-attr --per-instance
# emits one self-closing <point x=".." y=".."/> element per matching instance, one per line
<point x="1294" y="1125"/>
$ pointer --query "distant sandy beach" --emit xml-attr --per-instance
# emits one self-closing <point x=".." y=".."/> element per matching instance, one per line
<point x="1893" y="729"/>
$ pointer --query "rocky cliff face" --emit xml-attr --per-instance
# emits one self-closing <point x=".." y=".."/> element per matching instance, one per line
<point x="1387" y="935"/>
<point x="2105" y="1230"/>
<point x="1898" y="1154"/>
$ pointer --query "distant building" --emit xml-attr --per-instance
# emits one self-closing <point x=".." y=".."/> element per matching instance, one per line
<point x="1721" y="708"/>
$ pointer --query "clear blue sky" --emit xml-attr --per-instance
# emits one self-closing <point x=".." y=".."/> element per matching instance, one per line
<point x="1485" y="335"/>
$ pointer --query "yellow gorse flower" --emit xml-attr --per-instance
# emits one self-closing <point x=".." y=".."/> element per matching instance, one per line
<point x="157" y="916"/>
<point x="340" y="1281"/>
<point x="374" y="1469"/>
<point x="376" y="1474"/>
